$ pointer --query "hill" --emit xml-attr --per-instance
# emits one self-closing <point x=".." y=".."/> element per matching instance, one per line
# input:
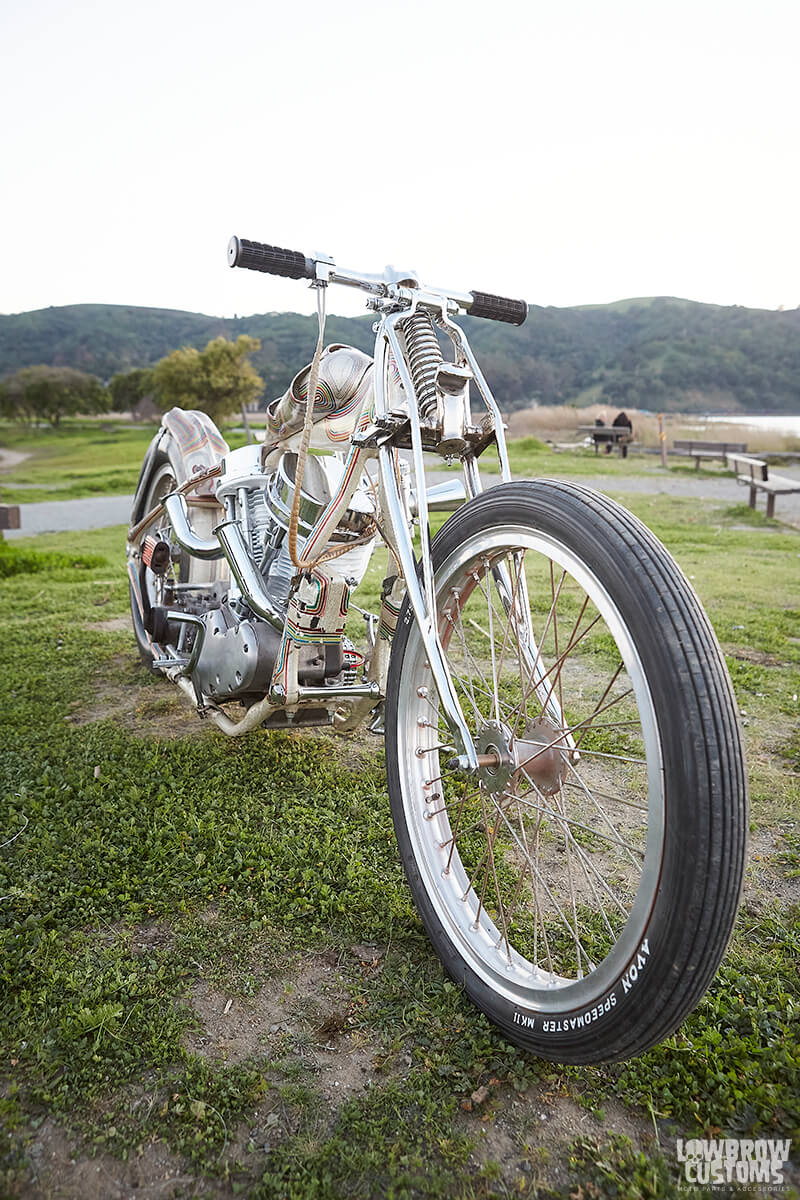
<point x="655" y="352"/>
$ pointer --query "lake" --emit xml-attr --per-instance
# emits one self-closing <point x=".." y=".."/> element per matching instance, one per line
<point x="787" y="424"/>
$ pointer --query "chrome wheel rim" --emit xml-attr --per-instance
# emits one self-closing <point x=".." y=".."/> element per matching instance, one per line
<point x="544" y="868"/>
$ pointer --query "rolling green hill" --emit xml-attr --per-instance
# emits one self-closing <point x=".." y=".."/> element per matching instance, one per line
<point x="657" y="352"/>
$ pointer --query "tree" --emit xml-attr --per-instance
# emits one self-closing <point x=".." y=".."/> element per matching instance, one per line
<point x="217" y="380"/>
<point x="49" y="393"/>
<point x="128" y="389"/>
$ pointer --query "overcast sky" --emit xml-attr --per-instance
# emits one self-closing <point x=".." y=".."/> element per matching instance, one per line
<point x="569" y="152"/>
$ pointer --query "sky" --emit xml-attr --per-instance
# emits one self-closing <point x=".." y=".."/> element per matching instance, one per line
<point x="566" y="152"/>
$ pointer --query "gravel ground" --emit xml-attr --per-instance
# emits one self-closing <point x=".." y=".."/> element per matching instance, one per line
<point x="57" y="516"/>
<point x="724" y="489"/>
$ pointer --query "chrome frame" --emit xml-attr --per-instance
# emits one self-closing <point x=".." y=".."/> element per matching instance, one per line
<point x="395" y="296"/>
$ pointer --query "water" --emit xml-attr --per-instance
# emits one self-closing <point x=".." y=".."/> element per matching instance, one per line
<point x="787" y="425"/>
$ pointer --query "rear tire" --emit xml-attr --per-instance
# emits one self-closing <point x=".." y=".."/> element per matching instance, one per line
<point x="143" y="584"/>
<point x="584" y="885"/>
<point x="145" y="587"/>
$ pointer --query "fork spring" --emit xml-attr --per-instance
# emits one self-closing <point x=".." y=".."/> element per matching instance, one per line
<point x="424" y="356"/>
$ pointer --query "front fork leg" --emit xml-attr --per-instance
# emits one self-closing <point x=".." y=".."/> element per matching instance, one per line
<point x="398" y="531"/>
<point x="516" y="597"/>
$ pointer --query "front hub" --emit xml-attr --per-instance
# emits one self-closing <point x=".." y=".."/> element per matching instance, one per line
<point x="497" y="765"/>
<point x="543" y="754"/>
<point x="539" y="756"/>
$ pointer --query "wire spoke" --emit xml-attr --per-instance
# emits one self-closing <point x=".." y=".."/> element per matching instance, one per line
<point x="566" y="732"/>
<point x="550" y="812"/>
<point x="491" y="641"/>
<point x="510" y="619"/>
<point x="588" y="793"/>
<point x="494" y="876"/>
<point x="533" y="683"/>
<point x="587" y="862"/>
<point x="605" y="796"/>
<point x="598" y="707"/>
<point x="527" y="845"/>
<point x="573" y="933"/>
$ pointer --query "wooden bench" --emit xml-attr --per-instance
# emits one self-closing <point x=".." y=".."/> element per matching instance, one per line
<point x="754" y="474"/>
<point x="701" y="450"/>
<point x="9" y="516"/>
<point x="608" y="435"/>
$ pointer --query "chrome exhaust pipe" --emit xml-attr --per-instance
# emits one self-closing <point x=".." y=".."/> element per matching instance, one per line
<point x="250" y="581"/>
<point x="442" y="497"/>
<point x="177" y="510"/>
<point x="255" y="714"/>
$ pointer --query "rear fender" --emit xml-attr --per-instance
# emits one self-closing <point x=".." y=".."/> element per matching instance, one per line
<point x="137" y="511"/>
<point x="198" y="443"/>
<point x="191" y="442"/>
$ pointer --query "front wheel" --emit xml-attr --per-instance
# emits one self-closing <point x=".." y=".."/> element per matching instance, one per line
<point x="583" y="883"/>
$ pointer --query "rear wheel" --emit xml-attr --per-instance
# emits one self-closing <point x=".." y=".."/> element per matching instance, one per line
<point x="146" y="588"/>
<point x="149" y="589"/>
<point x="583" y="884"/>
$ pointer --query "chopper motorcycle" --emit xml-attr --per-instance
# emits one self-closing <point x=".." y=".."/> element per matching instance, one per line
<point x="563" y="753"/>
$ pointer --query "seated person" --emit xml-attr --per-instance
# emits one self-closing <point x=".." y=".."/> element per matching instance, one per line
<point x="622" y="421"/>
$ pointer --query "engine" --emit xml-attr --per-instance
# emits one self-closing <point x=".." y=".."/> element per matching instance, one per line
<point x="239" y="648"/>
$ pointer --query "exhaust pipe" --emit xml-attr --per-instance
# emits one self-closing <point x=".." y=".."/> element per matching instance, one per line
<point x="442" y="497"/>
<point x="177" y="510"/>
<point x="229" y="543"/>
<point x="250" y="581"/>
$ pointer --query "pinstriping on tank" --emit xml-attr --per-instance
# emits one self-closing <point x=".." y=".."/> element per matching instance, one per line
<point x="347" y="476"/>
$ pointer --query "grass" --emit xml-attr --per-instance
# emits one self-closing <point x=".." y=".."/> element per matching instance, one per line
<point x="102" y="458"/>
<point x="560" y="422"/>
<point x="79" y="459"/>
<point x="530" y="457"/>
<point x="153" y="858"/>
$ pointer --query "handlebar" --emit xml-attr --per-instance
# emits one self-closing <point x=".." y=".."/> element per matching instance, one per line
<point x="293" y="264"/>
<point x="273" y="260"/>
<point x="498" y="308"/>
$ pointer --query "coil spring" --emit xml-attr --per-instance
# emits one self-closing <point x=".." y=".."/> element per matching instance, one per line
<point x="424" y="356"/>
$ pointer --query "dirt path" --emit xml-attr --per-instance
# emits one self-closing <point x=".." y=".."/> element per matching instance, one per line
<point x="11" y="458"/>
<point x="59" y="516"/>
<point x="95" y="512"/>
<point x="722" y="489"/>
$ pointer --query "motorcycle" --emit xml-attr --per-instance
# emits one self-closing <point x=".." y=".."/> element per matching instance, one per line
<point x="563" y="753"/>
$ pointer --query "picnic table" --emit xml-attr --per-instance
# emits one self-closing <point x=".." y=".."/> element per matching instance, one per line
<point x="608" y="435"/>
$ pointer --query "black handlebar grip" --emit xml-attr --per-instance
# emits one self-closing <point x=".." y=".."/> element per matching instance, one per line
<point x="272" y="260"/>
<point x="498" y="308"/>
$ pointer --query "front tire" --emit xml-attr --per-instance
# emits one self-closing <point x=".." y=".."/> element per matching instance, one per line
<point x="584" y="884"/>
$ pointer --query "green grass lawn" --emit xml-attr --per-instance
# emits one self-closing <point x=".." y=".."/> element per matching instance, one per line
<point x="79" y="459"/>
<point x="529" y="457"/>
<point x="99" y="458"/>
<point x="209" y="960"/>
